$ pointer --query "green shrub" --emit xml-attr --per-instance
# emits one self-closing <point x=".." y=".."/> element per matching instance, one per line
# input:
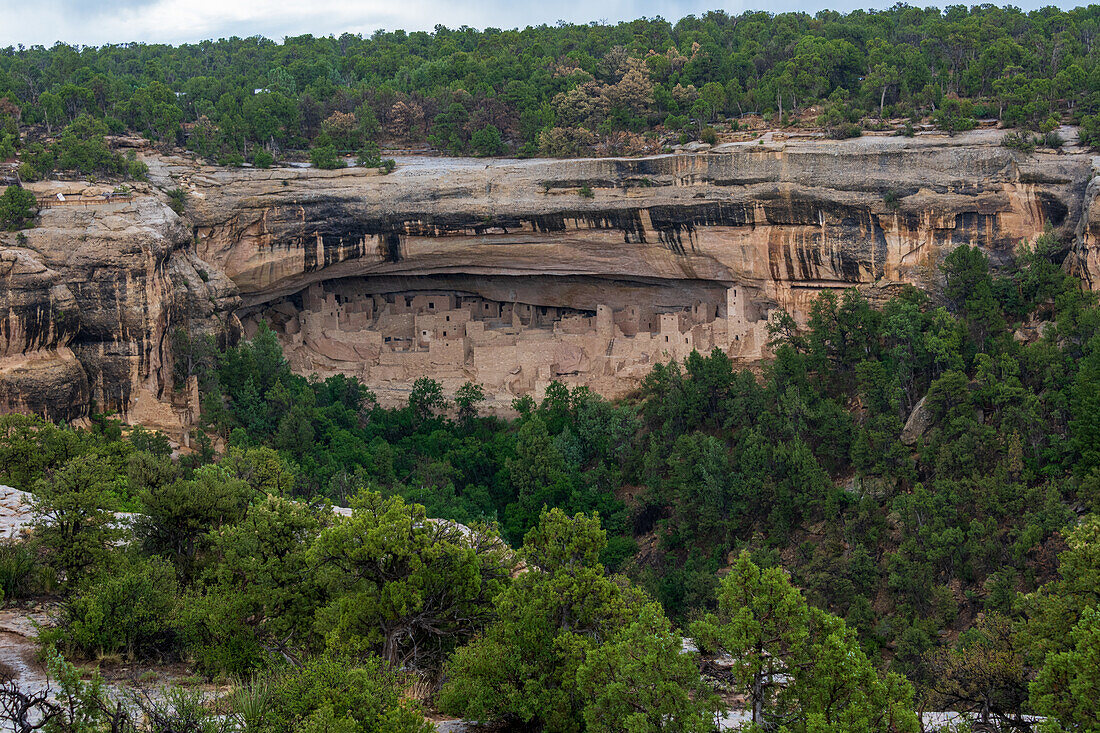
<point x="844" y="130"/>
<point x="263" y="159"/>
<point x="1090" y="130"/>
<point x="37" y="162"/>
<point x="177" y="200"/>
<point x="231" y="160"/>
<point x="708" y="135"/>
<point x="82" y="149"/>
<point x="676" y="122"/>
<point x="955" y="115"/>
<point x="17" y="565"/>
<point x="7" y="146"/>
<point x="135" y="169"/>
<point x="335" y="692"/>
<point x="131" y="611"/>
<point x="387" y="166"/>
<point x="17" y="208"/>
<point x="370" y="156"/>
<point x="325" y="158"/>
<point x="586" y="192"/>
<point x="74" y="520"/>
<point x="1053" y="140"/>
<point x="1020" y="141"/>
<point x="487" y="141"/>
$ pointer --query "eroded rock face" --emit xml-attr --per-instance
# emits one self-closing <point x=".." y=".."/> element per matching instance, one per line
<point x="583" y="270"/>
<point x="92" y="296"/>
<point x="779" y="221"/>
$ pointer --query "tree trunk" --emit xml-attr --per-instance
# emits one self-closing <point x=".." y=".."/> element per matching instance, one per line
<point x="758" y="700"/>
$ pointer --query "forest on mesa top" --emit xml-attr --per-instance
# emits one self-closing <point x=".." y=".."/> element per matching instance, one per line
<point x="565" y="89"/>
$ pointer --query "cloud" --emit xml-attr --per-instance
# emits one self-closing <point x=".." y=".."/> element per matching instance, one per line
<point x="89" y="22"/>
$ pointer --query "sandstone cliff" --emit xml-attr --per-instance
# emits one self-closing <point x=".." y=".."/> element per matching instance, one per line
<point x="506" y="272"/>
<point x="779" y="221"/>
<point x="92" y="296"/>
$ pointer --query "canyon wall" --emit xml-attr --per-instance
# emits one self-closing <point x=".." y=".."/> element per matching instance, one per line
<point x="510" y="273"/>
<point x="334" y="261"/>
<point x="93" y="294"/>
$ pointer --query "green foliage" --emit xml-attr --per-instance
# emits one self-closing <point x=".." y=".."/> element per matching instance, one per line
<point x="1068" y="685"/>
<point x="571" y="646"/>
<point x="129" y="611"/>
<point x="407" y="587"/>
<point x="18" y="563"/>
<point x="1022" y="142"/>
<point x="82" y="149"/>
<point x="985" y="673"/>
<point x="262" y="158"/>
<point x="177" y="200"/>
<point x="955" y="115"/>
<point x="338" y="692"/>
<point x="641" y="680"/>
<point x="73" y="518"/>
<point x="449" y="86"/>
<point x="771" y="633"/>
<point x="325" y="158"/>
<point x="487" y="141"/>
<point x="18" y="207"/>
<point x="258" y="591"/>
<point x="179" y="513"/>
<point x="370" y="156"/>
<point x="1054" y="609"/>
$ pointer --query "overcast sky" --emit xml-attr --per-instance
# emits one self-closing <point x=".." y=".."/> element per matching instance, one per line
<point x="94" y="22"/>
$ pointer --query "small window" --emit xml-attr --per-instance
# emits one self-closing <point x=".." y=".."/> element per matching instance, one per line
<point x="431" y="305"/>
<point x="448" y="318"/>
<point x="666" y="339"/>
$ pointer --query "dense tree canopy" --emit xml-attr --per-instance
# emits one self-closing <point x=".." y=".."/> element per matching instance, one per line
<point x="907" y="490"/>
<point x="557" y="90"/>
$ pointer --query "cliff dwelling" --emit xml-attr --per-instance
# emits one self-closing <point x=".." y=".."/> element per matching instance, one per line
<point x="510" y="346"/>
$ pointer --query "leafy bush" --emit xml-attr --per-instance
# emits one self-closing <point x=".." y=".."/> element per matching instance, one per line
<point x="82" y="148"/>
<point x="177" y="200"/>
<point x="17" y="208"/>
<point x="18" y="562"/>
<point x="263" y="159"/>
<point x="74" y="521"/>
<point x="325" y="158"/>
<point x="955" y="115"/>
<point x="586" y="192"/>
<point x="708" y="135"/>
<point x="487" y="141"/>
<point x="844" y="130"/>
<point x="387" y="166"/>
<point x="1053" y="140"/>
<point x="334" y="692"/>
<point x="1090" y="130"/>
<point x="7" y="146"/>
<point x="370" y="156"/>
<point x="129" y="611"/>
<point x="1020" y="141"/>
<point x="231" y="160"/>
